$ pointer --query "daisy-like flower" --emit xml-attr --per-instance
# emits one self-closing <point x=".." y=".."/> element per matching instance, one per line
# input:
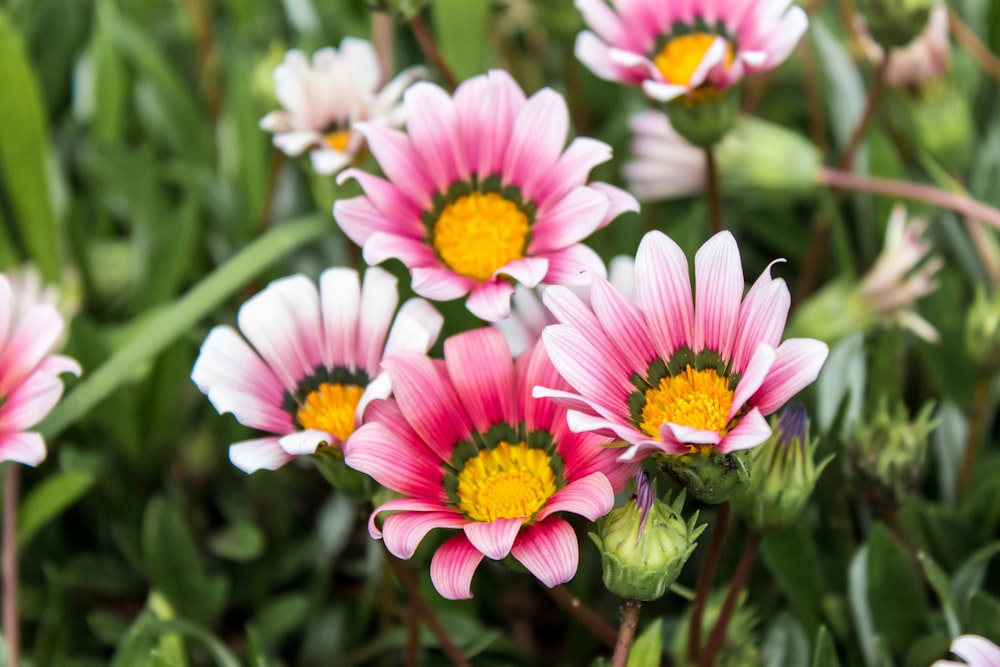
<point x="323" y="101"/>
<point x="925" y="58"/>
<point x="673" y="374"/>
<point x="472" y="450"/>
<point x="974" y="650"/>
<point x="481" y="194"/>
<point x="674" y="48"/>
<point x="312" y="361"/>
<point x="29" y="373"/>
<point x="663" y="165"/>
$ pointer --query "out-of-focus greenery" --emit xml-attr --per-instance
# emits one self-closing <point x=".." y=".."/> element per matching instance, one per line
<point x="135" y="177"/>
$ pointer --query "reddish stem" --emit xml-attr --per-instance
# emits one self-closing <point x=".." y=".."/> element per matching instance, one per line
<point x="626" y="633"/>
<point x="704" y="583"/>
<point x="739" y="580"/>
<point x="431" y="52"/>
<point x="11" y="482"/>
<point x="586" y="616"/>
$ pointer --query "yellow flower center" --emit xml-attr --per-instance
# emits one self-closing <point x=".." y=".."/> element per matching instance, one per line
<point x="479" y="233"/>
<point x="680" y="57"/>
<point x="506" y="482"/>
<point x="331" y="407"/>
<point x="338" y="140"/>
<point x="699" y="399"/>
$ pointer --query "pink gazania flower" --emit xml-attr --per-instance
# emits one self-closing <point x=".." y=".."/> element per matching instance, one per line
<point x="29" y="373"/>
<point x="976" y="651"/>
<point x="471" y="450"/>
<point x="673" y="48"/>
<point x="673" y="374"/>
<point x="481" y="194"/>
<point x="325" y="99"/>
<point x="663" y="165"/>
<point x="312" y="361"/>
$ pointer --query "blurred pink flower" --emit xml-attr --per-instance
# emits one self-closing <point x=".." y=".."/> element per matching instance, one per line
<point x="676" y="374"/>
<point x="925" y="58"/>
<point x="976" y="651"/>
<point x="312" y="361"/>
<point x="481" y="193"/>
<point x="673" y="48"/>
<point x="472" y="450"/>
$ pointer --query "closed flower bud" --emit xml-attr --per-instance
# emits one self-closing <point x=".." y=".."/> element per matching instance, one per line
<point x="895" y="23"/>
<point x="645" y="544"/>
<point x="886" y="454"/>
<point x="784" y="474"/>
<point x="982" y="330"/>
<point x="705" y="118"/>
<point x="710" y="476"/>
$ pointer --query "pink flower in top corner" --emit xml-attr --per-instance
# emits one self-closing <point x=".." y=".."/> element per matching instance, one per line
<point x="481" y="194"/>
<point x="974" y="650"/>
<point x="675" y="374"/>
<point x="30" y="328"/>
<point x="310" y="362"/>
<point x="471" y="450"/>
<point x="673" y="48"/>
<point x="324" y="99"/>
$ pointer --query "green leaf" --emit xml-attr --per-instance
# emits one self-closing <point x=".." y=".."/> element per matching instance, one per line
<point x="792" y="560"/>
<point x="785" y="643"/>
<point x="243" y="541"/>
<point x="970" y="575"/>
<point x="24" y="153"/>
<point x="460" y="27"/>
<point x="857" y="593"/>
<point x="895" y="591"/>
<point x="49" y="499"/>
<point x="282" y="616"/>
<point x="845" y="87"/>
<point x="647" y="650"/>
<point x="825" y="653"/>
<point x="843" y="378"/>
<point x="215" y="648"/>
<point x="939" y="582"/>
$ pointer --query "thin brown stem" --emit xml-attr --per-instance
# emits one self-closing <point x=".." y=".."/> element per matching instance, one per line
<point x="383" y="28"/>
<point x="11" y="482"/>
<point x="202" y="23"/>
<point x="813" y="257"/>
<point x="985" y="244"/>
<point x="961" y="204"/>
<point x="739" y="580"/>
<point x="626" y="633"/>
<point x="977" y="415"/>
<point x="969" y="41"/>
<point x="712" y="191"/>
<point x="431" y="52"/>
<point x="704" y="583"/>
<point x="871" y="106"/>
<point x="586" y="616"/>
<point x="407" y="578"/>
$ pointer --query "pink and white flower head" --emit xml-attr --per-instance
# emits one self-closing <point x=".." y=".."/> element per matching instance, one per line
<point x="676" y="48"/>
<point x="925" y="58"/>
<point x="663" y="165"/>
<point x="325" y="99"/>
<point x="974" y="650"/>
<point x="472" y="450"/>
<point x="311" y="365"/>
<point x="29" y="373"/>
<point x="675" y="374"/>
<point x="480" y="193"/>
<point x="529" y="316"/>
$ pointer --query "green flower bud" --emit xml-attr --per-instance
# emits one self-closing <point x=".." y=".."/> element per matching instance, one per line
<point x="401" y="9"/>
<point x="784" y="474"/>
<point x="885" y="454"/>
<point x="353" y="484"/>
<point x="982" y="330"/>
<point x="762" y="158"/>
<point x="645" y="544"/>
<point x="706" y="117"/>
<point x="711" y="477"/>
<point x="895" y="23"/>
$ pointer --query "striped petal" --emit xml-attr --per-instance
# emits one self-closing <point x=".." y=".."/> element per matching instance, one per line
<point x="663" y="288"/>
<point x="549" y="550"/>
<point x="591" y="497"/>
<point x="452" y="568"/>
<point x="25" y="447"/>
<point x="797" y="364"/>
<point x="258" y="454"/>
<point x="493" y="538"/>
<point x="482" y="372"/>
<point x="719" y="290"/>
<point x="403" y="532"/>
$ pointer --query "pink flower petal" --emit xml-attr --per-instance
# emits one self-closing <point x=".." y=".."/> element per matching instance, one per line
<point x="688" y="435"/>
<point x="482" y="372"/>
<point x="618" y="314"/>
<point x="719" y="289"/>
<point x="577" y="359"/>
<point x="591" y="497"/>
<point x="258" y="454"/>
<point x="440" y="284"/>
<point x="753" y="376"/>
<point x="452" y="568"/>
<point x="415" y="328"/>
<point x="549" y="550"/>
<point x="571" y="169"/>
<point x="493" y="538"/>
<point x="663" y="288"/>
<point x="596" y="56"/>
<point x="359" y="219"/>
<point x="619" y="202"/>
<point x="537" y="141"/>
<point x="25" y="447"/>
<point x="381" y="246"/>
<point x="571" y="219"/>
<point x="977" y="651"/>
<point x="33" y="338"/>
<point x="387" y="200"/>
<point x="490" y="301"/>
<point x="412" y="471"/>
<point x="571" y="311"/>
<point x="403" y="532"/>
<point x="29" y="402"/>
<point x="404" y="505"/>
<point x="797" y="364"/>
<point x="379" y="298"/>
<point x="340" y="303"/>
<point x="573" y="265"/>
<point x="752" y="430"/>
<point x="303" y="443"/>
<point x="762" y="318"/>
<point x="400" y="162"/>
<point x="432" y="124"/>
<point x="487" y="114"/>
<point x="529" y="271"/>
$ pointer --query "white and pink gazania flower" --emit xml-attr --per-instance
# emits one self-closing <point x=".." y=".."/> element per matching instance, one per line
<point x="923" y="59"/>
<point x="675" y="374"/>
<point x="664" y="164"/>
<point x="323" y="101"/>
<point x="674" y="48"/>
<point x="472" y="451"/>
<point x="312" y="361"/>
<point x="480" y="193"/>
<point x="29" y="373"/>
<point x="974" y="650"/>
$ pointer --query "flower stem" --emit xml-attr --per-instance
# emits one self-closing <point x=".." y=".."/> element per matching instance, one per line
<point x="383" y="28"/>
<point x="11" y="479"/>
<point x="739" y="580"/>
<point x="626" y="633"/>
<point x="977" y="414"/>
<point x="406" y="578"/>
<point x="961" y="204"/>
<point x="712" y="191"/>
<point x="969" y="41"/>
<point x="874" y="96"/>
<point x="431" y="52"/>
<point x="586" y="616"/>
<point x="704" y="583"/>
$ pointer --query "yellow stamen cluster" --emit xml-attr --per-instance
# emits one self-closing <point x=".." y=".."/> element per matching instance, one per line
<point x="479" y="233"/>
<point x="699" y="399"/>
<point x="331" y="407"/>
<point x="338" y="139"/>
<point x="680" y="57"/>
<point x="506" y="482"/>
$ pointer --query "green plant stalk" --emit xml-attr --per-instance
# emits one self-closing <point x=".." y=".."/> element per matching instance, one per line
<point x="703" y="585"/>
<point x="171" y="323"/>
